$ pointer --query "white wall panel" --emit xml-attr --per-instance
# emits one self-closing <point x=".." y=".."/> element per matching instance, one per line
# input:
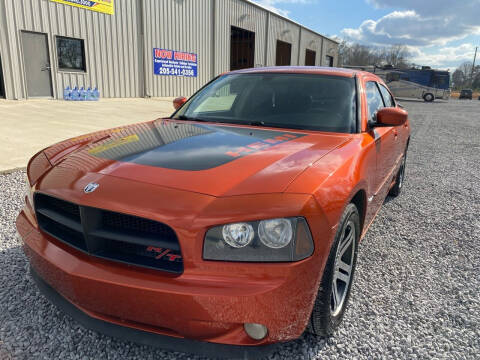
<point x="245" y="16"/>
<point x="310" y="41"/>
<point x="111" y="64"/>
<point x="183" y="25"/>
<point x="280" y="29"/>
<point x="329" y="48"/>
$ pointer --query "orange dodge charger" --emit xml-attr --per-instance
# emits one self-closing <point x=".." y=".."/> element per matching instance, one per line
<point x="227" y="228"/>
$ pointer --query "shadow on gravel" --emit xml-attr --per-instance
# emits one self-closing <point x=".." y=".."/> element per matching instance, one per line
<point x="31" y="327"/>
<point x="388" y="199"/>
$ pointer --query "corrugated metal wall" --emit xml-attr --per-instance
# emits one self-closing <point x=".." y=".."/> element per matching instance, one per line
<point x="183" y="25"/>
<point x="329" y="48"/>
<point x="119" y="47"/>
<point x="311" y="41"/>
<point x="243" y="15"/>
<point x="280" y="29"/>
<point x="111" y="45"/>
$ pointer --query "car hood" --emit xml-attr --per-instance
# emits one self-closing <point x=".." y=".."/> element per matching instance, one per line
<point x="212" y="159"/>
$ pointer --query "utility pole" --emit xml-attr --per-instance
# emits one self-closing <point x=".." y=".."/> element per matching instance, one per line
<point x="473" y="65"/>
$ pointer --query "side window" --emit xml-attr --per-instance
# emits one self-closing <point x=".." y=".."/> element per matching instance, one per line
<point x="374" y="99"/>
<point x="387" y="97"/>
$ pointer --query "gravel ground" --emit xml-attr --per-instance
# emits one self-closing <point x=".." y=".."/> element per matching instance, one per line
<point x="416" y="293"/>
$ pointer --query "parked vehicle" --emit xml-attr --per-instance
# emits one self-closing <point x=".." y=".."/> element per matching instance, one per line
<point x="425" y="83"/>
<point x="236" y="221"/>
<point x="466" y="94"/>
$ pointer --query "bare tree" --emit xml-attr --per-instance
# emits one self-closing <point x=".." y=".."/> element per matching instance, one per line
<point x="353" y="54"/>
<point x="476" y="78"/>
<point x="466" y="68"/>
<point x="458" y="79"/>
<point x="343" y="53"/>
<point x="397" y="55"/>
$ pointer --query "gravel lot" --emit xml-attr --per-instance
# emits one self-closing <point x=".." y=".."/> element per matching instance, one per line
<point x="416" y="293"/>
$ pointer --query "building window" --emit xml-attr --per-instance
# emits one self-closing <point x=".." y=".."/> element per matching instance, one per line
<point x="310" y="57"/>
<point x="71" y="54"/>
<point x="284" y="53"/>
<point x="242" y="48"/>
<point x="329" y="60"/>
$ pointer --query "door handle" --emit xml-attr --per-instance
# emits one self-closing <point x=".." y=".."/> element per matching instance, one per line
<point x="46" y="68"/>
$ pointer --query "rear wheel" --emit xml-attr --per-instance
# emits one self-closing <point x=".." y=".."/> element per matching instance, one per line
<point x="428" y="97"/>
<point x="334" y="290"/>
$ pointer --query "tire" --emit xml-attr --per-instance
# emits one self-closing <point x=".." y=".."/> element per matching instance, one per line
<point x="327" y="314"/>
<point x="399" y="179"/>
<point x="428" y="97"/>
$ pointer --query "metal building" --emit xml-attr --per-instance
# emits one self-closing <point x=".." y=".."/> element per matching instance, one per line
<point x="142" y="48"/>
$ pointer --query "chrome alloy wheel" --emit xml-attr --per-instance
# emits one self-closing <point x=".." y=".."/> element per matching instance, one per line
<point x="342" y="274"/>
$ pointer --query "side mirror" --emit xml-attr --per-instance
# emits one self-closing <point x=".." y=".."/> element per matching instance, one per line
<point x="391" y="117"/>
<point x="178" y="102"/>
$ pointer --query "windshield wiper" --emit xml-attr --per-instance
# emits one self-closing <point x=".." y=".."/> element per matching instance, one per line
<point x="190" y="118"/>
<point x="273" y="125"/>
<point x="257" y="123"/>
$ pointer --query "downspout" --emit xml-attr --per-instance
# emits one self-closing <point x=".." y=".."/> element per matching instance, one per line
<point x="144" y="48"/>
<point x="299" y="46"/>
<point x="321" y="52"/>
<point x="214" y="24"/>
<point x="267" y="26"/>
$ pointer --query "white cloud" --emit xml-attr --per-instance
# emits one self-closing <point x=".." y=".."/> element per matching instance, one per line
<point x="443" y="57"/>
<point x="424" y="26"/>
<point x="410" y="27"/>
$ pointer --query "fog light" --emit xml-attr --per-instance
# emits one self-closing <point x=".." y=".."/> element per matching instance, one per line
<point x="255" y="331"/>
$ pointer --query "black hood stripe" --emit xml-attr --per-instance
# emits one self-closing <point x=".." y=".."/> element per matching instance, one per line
<point x="191" y="147"/>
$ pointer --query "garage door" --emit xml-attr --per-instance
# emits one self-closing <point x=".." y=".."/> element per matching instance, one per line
<point x="284" y="53"/>
<point x="242" y="48"/>
<point x="310" y="56"/>
<point x="329" y="60"/>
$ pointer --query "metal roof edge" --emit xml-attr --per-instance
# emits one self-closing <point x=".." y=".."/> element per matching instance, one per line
<point x="289" y="20"/>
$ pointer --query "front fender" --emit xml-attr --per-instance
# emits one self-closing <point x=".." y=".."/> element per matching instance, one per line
<point x="335" y="179"/>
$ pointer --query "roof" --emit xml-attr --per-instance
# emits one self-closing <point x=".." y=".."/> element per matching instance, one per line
<point x="322" y="70"/>
<point x="289" y="20"/>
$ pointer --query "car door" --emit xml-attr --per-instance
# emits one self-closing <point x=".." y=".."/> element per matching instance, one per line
<point x="400" y="132"/>
<point x="385" y="142"/>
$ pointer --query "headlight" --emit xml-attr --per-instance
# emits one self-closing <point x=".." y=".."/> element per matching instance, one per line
<point x="275" y="233"/>
<point x="238" y="235"/>
<point x="283" y="239"/>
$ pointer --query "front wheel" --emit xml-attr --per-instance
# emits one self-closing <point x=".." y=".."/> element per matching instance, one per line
<point x="428" y="97"/>
<point x="397" y="188"/>
<point x="334" y="290"/>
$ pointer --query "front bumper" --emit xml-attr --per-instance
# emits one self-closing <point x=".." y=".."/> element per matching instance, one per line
<point x="201" y="304"/>
<point x="146" y="337"/>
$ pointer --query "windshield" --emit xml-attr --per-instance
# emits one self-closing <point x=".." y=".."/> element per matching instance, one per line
<point x="295" y="101"/>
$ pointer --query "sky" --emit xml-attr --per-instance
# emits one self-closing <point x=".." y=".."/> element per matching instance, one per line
<point x="438" y="33"/>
